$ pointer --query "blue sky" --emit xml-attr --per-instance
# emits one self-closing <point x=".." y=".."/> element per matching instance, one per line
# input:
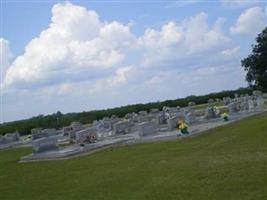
<point x="83" y="55"/>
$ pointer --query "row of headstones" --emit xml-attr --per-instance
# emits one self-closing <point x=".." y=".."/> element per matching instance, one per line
<point x="145" y="128"/>
<point x="133" y="121"/>
<point x="121" y="128"/>
<point x="130" y="122"/>
<point x="45" y="144"/>
<point x="248" y="103"/>
<point x="146" y="124"/>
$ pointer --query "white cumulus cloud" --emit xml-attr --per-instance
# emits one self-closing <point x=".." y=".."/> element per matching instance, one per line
<point x="251" y="21"/>
<point x="177" y="41"/>
<point x="76" y="45"/>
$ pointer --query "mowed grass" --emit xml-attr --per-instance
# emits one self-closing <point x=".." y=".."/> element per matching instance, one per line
<point x="229" y="162"/>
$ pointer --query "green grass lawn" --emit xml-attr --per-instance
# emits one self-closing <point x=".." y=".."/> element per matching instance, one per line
<point x="227" y="163"/>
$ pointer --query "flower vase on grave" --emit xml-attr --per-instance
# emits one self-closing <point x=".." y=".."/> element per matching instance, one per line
<point x="183" y="127"/>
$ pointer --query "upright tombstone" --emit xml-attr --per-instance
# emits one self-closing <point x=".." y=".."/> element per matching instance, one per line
<point x="147" y="128"/>
<point x="106" y="124"/>
<point x="122" y="127"/>
<point x="66" y="130"/>
<point x="37" y="133"/>
<point x="244" y="105"/>
<point x="260" y="102"/>
<point x="87" y="135"/>
<point x="226" y="100"/>
<point x="11" y="137"/>
<point x="210" y="113"/>
<point x="251" y="105"/>
<point x="173" y="111"/>
<point x="233" y="108"/>
<point x="161" y="118"/>
<point x="190" y="117"/>
<point x="133" y="117"/>
<point x="76" y="126"/>
<point x="44" y="144"/>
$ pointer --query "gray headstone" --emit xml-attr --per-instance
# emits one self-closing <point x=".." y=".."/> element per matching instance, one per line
<point x="190" y="117"/>
<point x="161" y="119"/>
<point x="76" y="126"/>
<point x="260" y="102"/>
<point x="66" y="130"/>
<point x="147" y="128"/>
<point x="44" y="144"/>
<point x="11" y="137"/>
<point x="84" y="135"/>
<point x="122" y="127"/>
<point x="233" y="107"/>
<point x="226" y="100"/>
<point x="251" y="104"/>
<point x="210" y="113"/>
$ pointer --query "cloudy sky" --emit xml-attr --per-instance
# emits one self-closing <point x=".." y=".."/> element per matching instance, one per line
<point x="81" y="55"/>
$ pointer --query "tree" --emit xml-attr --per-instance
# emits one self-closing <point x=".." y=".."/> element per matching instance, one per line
<point x="256" y="63"/>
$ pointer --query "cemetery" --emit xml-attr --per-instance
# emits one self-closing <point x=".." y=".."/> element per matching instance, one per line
<point x="134" y="128"/>
<point x="214" y="165"/>
<point x="133" y="100"/>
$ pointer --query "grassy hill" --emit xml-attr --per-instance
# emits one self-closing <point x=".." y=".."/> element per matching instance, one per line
<point x="228" y="162"/>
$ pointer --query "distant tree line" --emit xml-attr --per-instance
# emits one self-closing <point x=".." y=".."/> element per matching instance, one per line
<point x="59" y="120"/>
